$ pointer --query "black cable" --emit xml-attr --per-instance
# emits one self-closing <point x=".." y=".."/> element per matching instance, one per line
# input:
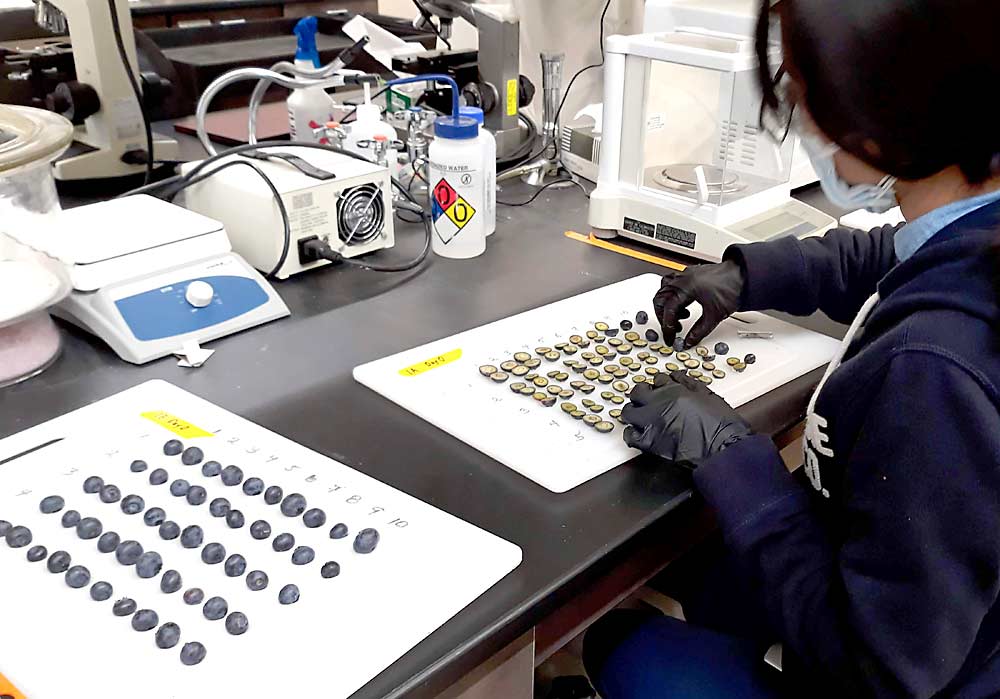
<point x="542" y="189"/>
<point x="120" y="43"/>
<point x="427" y="16"/>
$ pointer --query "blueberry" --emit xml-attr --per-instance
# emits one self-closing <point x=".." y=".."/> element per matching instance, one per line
<point x="330" y="569"/>
<point x="232" y="475"/>
<point x="611" y="332"/>
<point x="237" y="623"/>
<point x="721" y="348"/>
<point x="89" y="528"/>
<point x="192" y="537"/>
<point x="625" y="325"/>
<point x="218" y="507"/>
<point x="145" y="620"/>
<point x="18" y="537"/>
<point x="170" y="530"/>
<point x="59" y="562"/>
<point x="108" y="542"/>
<point x="235" y="519"/>
<point x="158" y="477"/>
<point x="192" y="456"/>
<point x="124" y="607"/>
<point x="641" y="317"/>
<point x="77" y="577"/>
<point x="37" y="553"/>
<point x="193" y="596"/>
<point x="215" y="608"/>
<point x="260" y="530"/>
<point x="168" y="636"/>
<point x="51" y="504"/>
<point x="133" y="505"/>
<point x="93" y="485"/>
<point x="273" y="495"/>
<point x="197" y="495"/>
<point x="253" y="486"/>
<point x="154" y="517"/>
<point x="303" y="555"/>
<point x="192" y="653"/>
<point x="652" y="335"/>
<point x="171" y="582"/>
<point x="679" y="345"/>
<point x="101" y="591"/>
<point x="210" y="469"/>
<point x="257" y="580"/>
<point x="179" y="488"/>
<point x="128" y="552"/>
<point x="314" y="518"/>
<point x="750" y="359"/>
<point x="4" y="527"/>
<point x="149" y="565"/>
<point x="236" y="566"/>
<point x="138" y="466"/>
<point x="283" y="542"/>
<point x="339" y="531"/>
<point x="293" y="505"/>
<point x="213" y="553"/>
<point x="366" y="541"/>
<point x="173" y="447"/>
<point x="110" y="494"/>
<point x="289" y="594"/>
<point x="70" y="518"/>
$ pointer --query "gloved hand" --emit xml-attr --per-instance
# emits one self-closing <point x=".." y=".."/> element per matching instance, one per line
<point x="716" y="287"/>
<point x="681" y="420"/>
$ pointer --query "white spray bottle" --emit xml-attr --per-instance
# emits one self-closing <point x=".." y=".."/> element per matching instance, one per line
<point x="309" y="108"/>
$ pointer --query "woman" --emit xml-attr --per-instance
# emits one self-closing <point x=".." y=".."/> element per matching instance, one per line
<point x="882" y="578"/>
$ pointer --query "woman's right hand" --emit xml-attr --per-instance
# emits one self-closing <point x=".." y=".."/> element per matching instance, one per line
<point x="717" y="287"/>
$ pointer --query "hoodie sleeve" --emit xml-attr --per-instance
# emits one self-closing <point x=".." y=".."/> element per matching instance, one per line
<point x="833" y="273"/>
<point x="893" y="610"/>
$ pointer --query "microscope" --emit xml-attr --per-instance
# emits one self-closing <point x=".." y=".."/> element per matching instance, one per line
<point x="110" y="139"/>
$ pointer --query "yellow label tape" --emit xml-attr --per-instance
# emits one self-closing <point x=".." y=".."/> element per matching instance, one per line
<point x="181" y="428"/>
<point x="512" y="98"/>
<point x="432" y="363"/>
<point x="9" y="690"/>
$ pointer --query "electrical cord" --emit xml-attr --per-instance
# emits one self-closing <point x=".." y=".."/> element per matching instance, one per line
<point x="427" y="16"/>
<point x="123" y="55"/>
<point x="541" y="189"/>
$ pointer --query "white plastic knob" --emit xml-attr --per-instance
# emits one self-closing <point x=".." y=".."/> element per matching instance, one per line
<point x="199" y="294"/>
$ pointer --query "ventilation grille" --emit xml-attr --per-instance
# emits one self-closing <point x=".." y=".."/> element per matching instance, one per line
<point x="581" y="143"/>
<point x="360" y="214"/>
<point x="738" y="143"/>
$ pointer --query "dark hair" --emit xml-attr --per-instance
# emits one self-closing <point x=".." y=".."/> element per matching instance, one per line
<point x="908" y="86"/>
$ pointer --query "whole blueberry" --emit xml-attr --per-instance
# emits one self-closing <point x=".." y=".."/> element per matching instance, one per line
<point x="168" y="635"/>
<point x="145" y="620"/>
<point x="273" y="495"/>
<point x="169" y="530"/>
<point x="289" y="594"/>
<point x="93" y="485"/>
<point x="4" y="527"/>
<point x="215" y="608"/>
<point x="133" y="505"/>
<point x="253" y="486"/>
<point x="209" y="469"/>
<point x="330" y="569"/>
<point x="128" y="552"/>
<point x="236" y="566"/>
<point x="679" y="345"/>
<point x="283" y="542"/>
<point x="260" y="530"/>
<point x="197" y="495"/>
<point x="194" y="596"/>
<point x="303" y="555"/>
<point x="193" y="653"/>
<point x="138" y="466"/>
<point x="59" y="562"/>
<point x="237" y="623"/>
<point x="89" y="528"/>
<point x="218" y="507"/>
<point x="51" y="504"/>
<point x="232" y="475"/>
<point x="721" y="349"/>
<point x="314" y="518"/>
<point x="192" y="537"/>
<point x="652" y="335"/>
<point x="293" y="505"/>
<point x="158" y="477"/>
<point x="213" y="553"/>
<point x="750" y="359"/>
<point x="37" y="553"/>
<point x="171" y="582"/>
<point x="173" y="447"/>
<point x="179" y="488"/>
<point x="235" y="519"/>
<point x="339" y="531"/>
<point x="108" y="542"/>
<point x="149" y="565"/>
<point x="625" y="325"/>
<point x="192" y="456"/>
<point x="18" y="537"/>
<point x="77" y="577"/>
<point x="154" y="517"/>
<point x="366" y="541"/>
<point x="110" y="494"/>
<point x="257" y="580"/>
<point x="642" y="317"/>
<point x="124" y="607"/>
<point x="101" y="591"/>
<point x="70" y="518"/>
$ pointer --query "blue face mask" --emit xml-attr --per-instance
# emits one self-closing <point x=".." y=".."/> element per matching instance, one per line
<point x="877" y="198"/>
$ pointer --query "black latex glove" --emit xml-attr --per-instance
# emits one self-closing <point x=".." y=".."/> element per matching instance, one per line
<point x="680" y="419"/>
<point x="716" y="287"/>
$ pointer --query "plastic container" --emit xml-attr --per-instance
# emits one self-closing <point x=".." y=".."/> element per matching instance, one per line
<point x="489" y="145"/>
<point x="368" y="124"/>
<point x="457" y="189"/>
<point x="309" y="108"/>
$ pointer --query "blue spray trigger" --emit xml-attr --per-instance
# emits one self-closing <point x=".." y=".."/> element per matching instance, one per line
<point x="305" y="30"/>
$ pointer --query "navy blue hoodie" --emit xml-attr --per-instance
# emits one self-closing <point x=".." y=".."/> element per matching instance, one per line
<point x="884" y="581"/>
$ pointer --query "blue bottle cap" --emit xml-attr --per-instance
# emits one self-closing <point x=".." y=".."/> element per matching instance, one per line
<point x="474" y="112"/>
<point x="459" y="128"/>
<point x="305" y="30"/>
